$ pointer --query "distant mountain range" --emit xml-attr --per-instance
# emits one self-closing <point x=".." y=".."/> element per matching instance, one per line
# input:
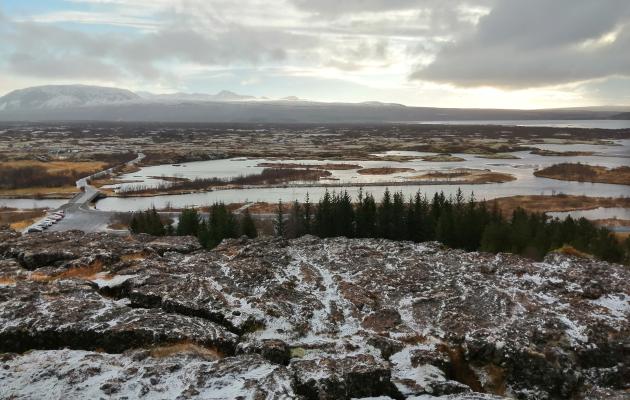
<point x="93" y="103"/>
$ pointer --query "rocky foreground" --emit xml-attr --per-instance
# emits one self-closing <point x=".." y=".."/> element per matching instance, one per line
<point x="103" y="316"/>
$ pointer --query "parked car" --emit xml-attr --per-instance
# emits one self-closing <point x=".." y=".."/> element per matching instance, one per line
<point x="34" y="229"/>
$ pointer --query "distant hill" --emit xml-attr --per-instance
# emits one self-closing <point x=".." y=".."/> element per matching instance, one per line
<point x="91" y="103"/>
<point x="224" y="95"/>
<point x="63" y="96"/>
<point x="624" y="116"/>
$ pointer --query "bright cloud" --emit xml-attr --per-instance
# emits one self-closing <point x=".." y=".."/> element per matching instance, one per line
<point x="460" y="53"/>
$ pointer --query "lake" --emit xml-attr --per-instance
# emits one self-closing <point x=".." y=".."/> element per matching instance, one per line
<point x="596" y="213"/>
<point x="556" y="123"/>
<point x="523" y="168"/>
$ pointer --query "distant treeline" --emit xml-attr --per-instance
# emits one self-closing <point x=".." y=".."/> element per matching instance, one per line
<point x="268" y="176"/>
<point x="454" y="221"/>
<point x="220" y="224"/>
<point x="36" y="176"/>
<point x="113" y="159"/>
<point x="17" y="177"/>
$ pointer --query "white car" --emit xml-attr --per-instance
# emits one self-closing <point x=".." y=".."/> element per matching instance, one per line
<point x="55" y="217"/>
<point x="34" y="229"/>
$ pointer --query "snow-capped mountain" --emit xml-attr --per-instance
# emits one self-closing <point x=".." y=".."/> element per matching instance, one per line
<point x="64" y="96"/>
<point x="92" y="103"/>
<point x="224" y="95"/>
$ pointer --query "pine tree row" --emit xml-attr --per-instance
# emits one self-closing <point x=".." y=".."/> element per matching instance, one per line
<point x="454" y="221"/>
<point x="220" y="224"/>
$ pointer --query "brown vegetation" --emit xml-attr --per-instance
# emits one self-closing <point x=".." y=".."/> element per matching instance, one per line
<point x="541" y="204"/>
<point x="186" y="348"/>
<point x="442" y="158"/>
<point x="328" y="167"/>
<point x="20" y="177"/>
<point x="85" y="272"/>
<point x="383" y="171"/>
<point x="20" y="219"/>
<point x="610" y="222"/>
<point x="552" y="153"/>
<point x="586" y="173"/>
<point x="34" y="178"/>
<point x="268" y="176"/>
<point x="499" y="156"/>
<point x="6" y="280"/>
<point x="465" y="175"/>
<point x="572" y="251"/>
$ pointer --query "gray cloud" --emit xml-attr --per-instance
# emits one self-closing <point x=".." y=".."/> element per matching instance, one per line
<point x="45" y="50"/>
<point x="337" y="7"/>
<point x="66" y="67"/>
<point x="500" y="43"/>
<point x="537" y="43"/>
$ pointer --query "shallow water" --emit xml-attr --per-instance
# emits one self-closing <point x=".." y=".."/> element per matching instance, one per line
<point x="526" y="184"/>
<point x="568" y="123"/>
<point x="32" y="203"/>
<point x="606" y="155"/>
<point x="523" y="168"/>
<point x="596" y="213"/>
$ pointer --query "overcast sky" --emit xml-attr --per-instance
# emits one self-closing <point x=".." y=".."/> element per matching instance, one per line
<point x="455" y="53"/>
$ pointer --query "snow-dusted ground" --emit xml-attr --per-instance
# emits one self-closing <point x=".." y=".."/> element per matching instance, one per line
<point x="334" y="318"/>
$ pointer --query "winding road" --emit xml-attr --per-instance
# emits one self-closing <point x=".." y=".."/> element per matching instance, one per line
<point x="78" y="214"/>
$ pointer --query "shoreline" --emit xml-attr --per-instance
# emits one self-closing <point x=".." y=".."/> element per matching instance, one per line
<point x="319" y="185"/>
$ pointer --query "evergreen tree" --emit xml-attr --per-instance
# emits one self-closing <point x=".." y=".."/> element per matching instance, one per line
<point x="366" y="216"/>
<point x="445" y="226"/>
<point x="221" y="225"/>
<point x="248" y="227"/>
<point x="324" y="222"/>
<point x="496" y="237"/>
<point x="307" y="216"/>
<point x="154" y="223"/>
<point x="343" y="215"/>
<point x="385" y="227"/>
<point x="398" y="223"/>
<point x="295" y="224"/>
<point x="148" y="221"/>
<point x="169" y="230"/>
<point x="279" y="222"/>
<point x="188" y="222"/>
<point x="203" y="234"/>
<point x="134" y="224"/>
<point x="455" y="222"/>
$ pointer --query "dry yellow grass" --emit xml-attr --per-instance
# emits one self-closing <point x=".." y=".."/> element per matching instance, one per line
<point x="62" y="192"/>
<point x="18" y="219"/>
<point x="466" y="176"/>
<point x="18" y="226"/>
<point x="51" y="167"/>
<point x="539" y="204"/>
<point x="186" y="348"/>
<point x="5" y="280"/>
<point x="57" y="166"/>
<point x="140" y="255"/>
<point x="572" y="251"/>
<point x="84" y="272"/>
<point x="621" y="236"/>
<point x="586" y="173"/>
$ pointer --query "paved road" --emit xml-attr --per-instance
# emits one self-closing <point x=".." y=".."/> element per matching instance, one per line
<point x="78" y="214"/>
